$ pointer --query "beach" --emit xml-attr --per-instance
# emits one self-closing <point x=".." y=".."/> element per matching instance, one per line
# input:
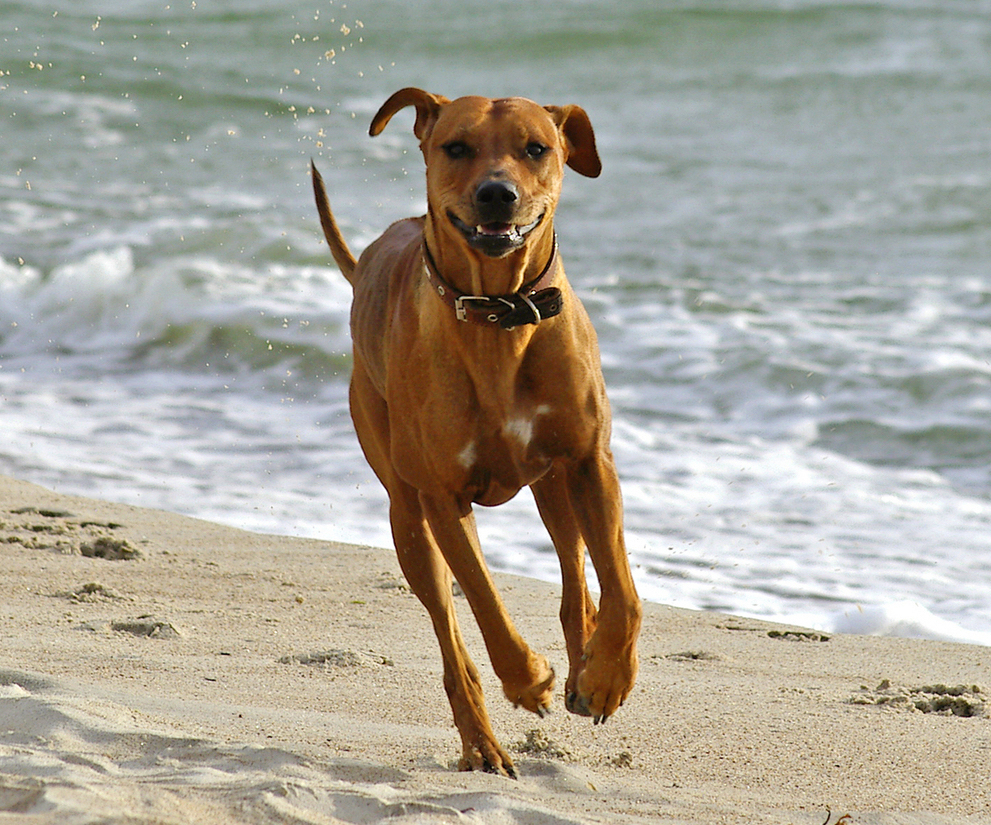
<point x="785" y="260"/>
<point x="160" y="669"/>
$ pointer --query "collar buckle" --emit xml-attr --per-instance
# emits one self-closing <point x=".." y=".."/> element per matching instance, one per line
<point x="530" y="305"/>
<point x="460" y="310"/>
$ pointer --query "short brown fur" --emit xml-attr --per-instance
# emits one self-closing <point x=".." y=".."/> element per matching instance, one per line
<point x="451" y="414"/>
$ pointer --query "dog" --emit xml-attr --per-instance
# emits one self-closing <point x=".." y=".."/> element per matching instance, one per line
<point x="476" y="373"/>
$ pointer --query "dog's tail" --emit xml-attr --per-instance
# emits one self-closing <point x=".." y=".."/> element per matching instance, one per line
<point x="338" y="246"/>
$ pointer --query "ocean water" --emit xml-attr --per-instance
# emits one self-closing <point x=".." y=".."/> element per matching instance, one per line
<point x="787" y="258"/>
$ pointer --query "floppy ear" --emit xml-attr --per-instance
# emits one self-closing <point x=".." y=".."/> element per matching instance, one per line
<point x="428" y="106"/>
<point x="579" y="139"/>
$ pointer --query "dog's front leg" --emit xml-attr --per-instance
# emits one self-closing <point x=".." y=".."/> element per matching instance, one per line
<point x="610" y="656"/>
<point x="526" y="677"/>
<point x="429" y="576"/>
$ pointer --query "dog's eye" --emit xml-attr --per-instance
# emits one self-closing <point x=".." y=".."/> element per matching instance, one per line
<point x="535" y="150"/>
<point x="457" y="149"/>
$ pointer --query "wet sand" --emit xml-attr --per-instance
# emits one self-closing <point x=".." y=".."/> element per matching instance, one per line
<point x="157" y="668"/>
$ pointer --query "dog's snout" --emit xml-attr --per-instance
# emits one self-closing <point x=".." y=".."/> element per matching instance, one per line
<point x="496" y="191"/>
<point x="496" y="200"/>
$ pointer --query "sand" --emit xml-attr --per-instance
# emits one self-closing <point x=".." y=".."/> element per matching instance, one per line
<point x="160" y="669"/>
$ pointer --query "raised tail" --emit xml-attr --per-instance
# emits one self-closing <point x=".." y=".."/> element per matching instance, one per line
<point x="338" y="246"/>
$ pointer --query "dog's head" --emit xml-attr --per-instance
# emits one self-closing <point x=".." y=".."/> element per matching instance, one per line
<point x="494" y="167"/>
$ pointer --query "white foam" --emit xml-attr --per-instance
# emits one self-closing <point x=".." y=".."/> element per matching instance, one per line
<point x="105" y="302"/>
<point x="906" y="619"/>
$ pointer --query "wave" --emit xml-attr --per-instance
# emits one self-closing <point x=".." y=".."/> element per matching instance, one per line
<point x="905" y="619"/>
<point x="197" y="314"/>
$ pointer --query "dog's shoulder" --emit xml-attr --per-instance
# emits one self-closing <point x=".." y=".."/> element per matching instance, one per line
<point x="385" y="258"/>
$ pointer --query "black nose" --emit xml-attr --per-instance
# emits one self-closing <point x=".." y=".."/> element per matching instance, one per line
<point x="496" y="201"/>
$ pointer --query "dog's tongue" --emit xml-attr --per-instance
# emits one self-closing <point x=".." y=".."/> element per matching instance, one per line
<point x="495" y="229"/>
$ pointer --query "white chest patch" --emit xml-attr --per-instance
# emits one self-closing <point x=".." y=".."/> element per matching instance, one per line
<point x="466" y="458"/>
<point x="521" y="428"/>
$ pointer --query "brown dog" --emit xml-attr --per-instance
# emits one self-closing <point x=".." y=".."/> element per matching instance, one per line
<point x="476" y="372"/>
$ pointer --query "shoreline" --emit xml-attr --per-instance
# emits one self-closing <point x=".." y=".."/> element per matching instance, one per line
<point x="170" y="669"/>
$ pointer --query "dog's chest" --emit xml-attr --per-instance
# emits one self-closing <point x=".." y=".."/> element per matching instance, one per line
<point x="481" y="422"/>
<point x="496" y="458"/>
<point x="513" y="437"/>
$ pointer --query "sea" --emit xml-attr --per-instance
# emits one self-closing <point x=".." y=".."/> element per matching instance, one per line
<point x="787" y="258"/>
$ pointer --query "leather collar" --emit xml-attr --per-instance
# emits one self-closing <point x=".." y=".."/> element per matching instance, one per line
<point x="531" y="304"/>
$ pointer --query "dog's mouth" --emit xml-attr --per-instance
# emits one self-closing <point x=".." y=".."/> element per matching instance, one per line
<point x="494" y="239"/>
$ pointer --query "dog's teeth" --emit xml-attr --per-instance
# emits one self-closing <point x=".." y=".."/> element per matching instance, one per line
<point x="495" y="230"/>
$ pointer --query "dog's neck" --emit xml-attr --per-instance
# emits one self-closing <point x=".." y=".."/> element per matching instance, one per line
<point x="533" y="302"/>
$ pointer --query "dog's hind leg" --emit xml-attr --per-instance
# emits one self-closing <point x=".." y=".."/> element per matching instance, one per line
<point x="578" y="613"/>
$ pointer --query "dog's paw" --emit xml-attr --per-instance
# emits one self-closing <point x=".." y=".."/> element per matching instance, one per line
<point x="487" y="757"/>
<point x="604" y="682"/>
<point x="535" y="689"/>
<point x="576" y="704"/>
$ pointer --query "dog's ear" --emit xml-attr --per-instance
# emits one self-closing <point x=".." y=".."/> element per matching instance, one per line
<point x="579" y="139"/>
<point x="428" y="107"/>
